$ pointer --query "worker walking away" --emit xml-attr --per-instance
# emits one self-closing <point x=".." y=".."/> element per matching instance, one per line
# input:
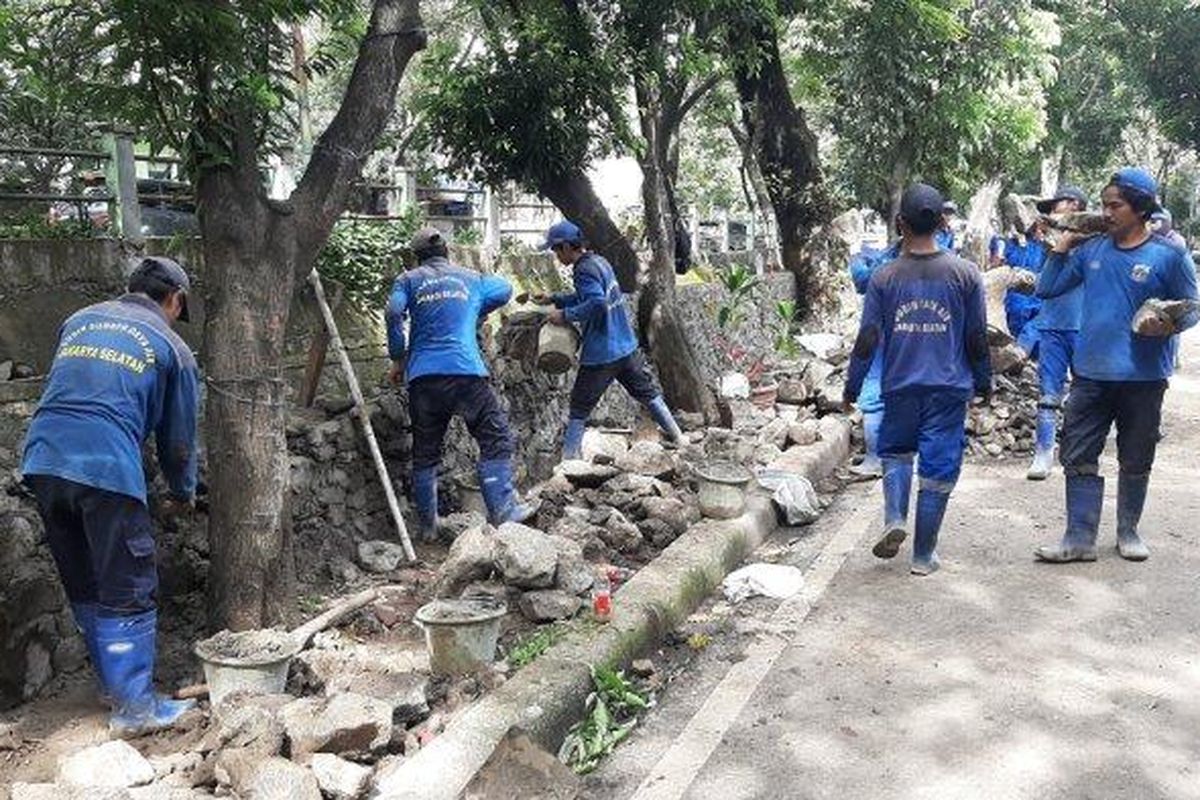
<point x="1123" y="359"/>
<point x="441" y="362"/>
<point x="870" y="397"/>
<point x="120" y="375"/>
<point x="609" y="350"/>
<point x="1057" y="326"/>
<point x="926" y="312"/>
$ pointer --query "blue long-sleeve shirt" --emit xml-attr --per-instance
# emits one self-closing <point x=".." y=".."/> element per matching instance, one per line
<point x="598" y="307"/>
<point x="119" y="375"/>
<point x="1115" y="283"/>
<point x="927" y="313"/>
<point x="444" y="303"/>
<point x="1061" y="313"/>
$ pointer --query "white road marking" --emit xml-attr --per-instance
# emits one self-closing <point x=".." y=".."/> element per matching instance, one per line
<point x="677" y="769"/>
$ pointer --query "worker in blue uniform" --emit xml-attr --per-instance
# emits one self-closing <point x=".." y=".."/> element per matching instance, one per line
<point x="870" y="398"/>
<point x="609" y="349"/>
<point x="1024" y="251"/>
<point x="441" y="362"/>
<point x="1057" y="327"/>
<point x="1120" y="374"/>
<point x="120" y="375"/>
<point x="926" y="312"/>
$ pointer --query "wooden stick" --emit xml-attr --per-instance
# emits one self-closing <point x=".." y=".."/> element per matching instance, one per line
<point x="337" y="612"/>
<point x="356" y="392"/>
<point x="193" y="692"/>
<point x="316" y="356"/>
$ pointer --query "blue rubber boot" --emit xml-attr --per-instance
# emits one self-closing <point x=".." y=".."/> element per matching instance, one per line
<point x="1085" y="499"/>
<point x="662" y="415"/>
<point x="425" y="498"/>
<point x="125" y="652"/>
<point x="496" y="485"/>
<point x="1131" y="499"/>
<point x="1043" y="446"/>
<point x="870" y="466"/>
<point x="897" y="489"/>
<point x="85" y="622"/>
<point x="931" y="509"/>
<point x="573" y="439"/>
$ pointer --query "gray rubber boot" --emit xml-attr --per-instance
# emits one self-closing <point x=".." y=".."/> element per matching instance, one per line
<point x="1131" y="499"/>
<point x="1085" y="499"/>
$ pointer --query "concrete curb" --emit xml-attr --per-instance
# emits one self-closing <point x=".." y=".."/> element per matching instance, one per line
<point x="547" y="697"/>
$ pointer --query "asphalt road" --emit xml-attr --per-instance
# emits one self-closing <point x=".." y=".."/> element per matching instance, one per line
<point x="995" y="678"/>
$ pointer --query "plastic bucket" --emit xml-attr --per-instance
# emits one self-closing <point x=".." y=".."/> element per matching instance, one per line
<point x="722" y="492"/>
<point x="264" y="673"/>
<point x="556" y="348"/>
<point x="460" y="635"/>
<point x="469" y="495"/>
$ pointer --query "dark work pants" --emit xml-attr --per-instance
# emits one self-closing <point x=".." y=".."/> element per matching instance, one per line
<point x="1093" y="407"/>
<point x="930" y="424"/>
<point x="102" y="543"/>
<point x="592" y="381"/>
<point x="434" y="399"/>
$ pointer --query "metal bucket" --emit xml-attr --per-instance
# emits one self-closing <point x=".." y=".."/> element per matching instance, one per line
<point x="265" y="673"/>
<point x="460" y="635"/>
<point x="723" y="489"/>
<point x="556" y="348"/>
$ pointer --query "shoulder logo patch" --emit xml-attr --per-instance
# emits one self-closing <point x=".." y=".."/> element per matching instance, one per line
<point x="1140" y="273"/>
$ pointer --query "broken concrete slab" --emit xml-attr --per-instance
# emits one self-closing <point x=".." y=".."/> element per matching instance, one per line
<point x="649" y="459"/>
<point x="407" y="693"/>
<point x="342" y="723"/>
<point x="251" y="722"/>
<point x="275" y="778"/>
<point x="114" y="764"/>
<point x="519" y="768"/>
<point x="338" y="778"/>
<point x="585" y="474"/>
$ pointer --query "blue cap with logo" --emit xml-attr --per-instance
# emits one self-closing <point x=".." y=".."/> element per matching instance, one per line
<point x="1138" y="181"/>
<point x="565" y="232"/>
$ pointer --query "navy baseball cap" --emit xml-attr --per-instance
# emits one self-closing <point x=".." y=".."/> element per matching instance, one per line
<point x="1063" y="193"/>
<point x="1138" y="181"/>
<point x="921" y="202"/>
<point x="426" y="238"/>
<point x="565" y="232"/>
<point x="166" y="271"/>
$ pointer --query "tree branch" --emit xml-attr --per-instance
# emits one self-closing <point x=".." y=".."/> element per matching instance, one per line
<point x="394" y="35"/>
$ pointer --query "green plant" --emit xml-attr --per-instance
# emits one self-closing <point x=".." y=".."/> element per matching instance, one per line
<point x="781" y="327"/>
<point x="364" y="255"/>
<point x="611" y="714"/>
<point x="741" y="284"/>
<point x="37" y="226"/>
<point x="468" y="236"/>
<point x="527" y="650"/>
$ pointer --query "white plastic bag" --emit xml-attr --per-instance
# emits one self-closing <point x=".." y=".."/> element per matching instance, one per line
<point x="735" y="385"/>
<point x="793" y="494"/>
<point x="769" y="580"/>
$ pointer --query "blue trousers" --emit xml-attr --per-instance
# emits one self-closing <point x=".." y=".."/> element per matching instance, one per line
<point x="1092" y="409"/>
<point x="102" y="543"/>
<point x="593" y="380"/>
<point x="1056" y="349"/>
<point x="929" y="423"/>
<point x="434" y="399"/>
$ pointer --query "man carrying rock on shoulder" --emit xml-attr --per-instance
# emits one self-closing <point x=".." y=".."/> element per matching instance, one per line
<point x="446" y="376"/>
<point x="610" y="348"/>
<point x="1122" y="359"/>
<point x="926" y="312"/>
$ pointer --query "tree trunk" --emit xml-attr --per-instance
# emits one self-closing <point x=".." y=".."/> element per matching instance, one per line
<point x="785" y="148"/>
<point x="1051" y="170"/>
<point x="248" y="250"/>
<point x="895" y="190"/>
<point x="255" y="250"/>
<point x="760" y="203"/>
<point x="678" y="369"/>
<point x="573" y="195"/>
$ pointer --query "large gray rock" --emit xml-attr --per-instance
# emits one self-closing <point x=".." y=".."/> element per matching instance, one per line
<point x="635" y="485"/>
<point x="547" y="605"/>
<point x="470" y="559"/>
<point x="451" y="526"/>
<point x="616" y="530"/>
<point x="525" y="557"/>
<point x="670" y="510"/>
<point x="577" y="528"/>
<point x="573" y="575"/>
<point x="649" y="459"/>
<point x="247" y="721"/>
<point x="112" y="764"/>
<point x="519" y="768"/>
<point x="275" y="778"/>
<point x="585" y="474"/>
<point x="791" y="391"/>
<point x="804" y="432"/>
<point x="380" y="555"/>
<point x="343" y="723"/>
<point x="65" y="791"/>
<point x="407" y="693"/>
<point x="338" y="778"/>
<point x="774" y="433"/>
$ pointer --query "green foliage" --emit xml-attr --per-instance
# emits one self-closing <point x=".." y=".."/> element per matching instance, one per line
<point x="35" y="225"/>
<point x="1163" y="44"/>
<point x="611" y="714"/>
<point x="782" y="329"/>
<point x="741" y="287"/>
<point x="528" y="649"/>
<point x="365" y="255"/>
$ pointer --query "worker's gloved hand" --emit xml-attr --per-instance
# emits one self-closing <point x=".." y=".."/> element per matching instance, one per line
<point x="396" y="372"/>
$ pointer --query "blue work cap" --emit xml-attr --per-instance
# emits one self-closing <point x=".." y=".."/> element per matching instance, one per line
<point x="1138" y="181"/>
<point x="565" y="232"/>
